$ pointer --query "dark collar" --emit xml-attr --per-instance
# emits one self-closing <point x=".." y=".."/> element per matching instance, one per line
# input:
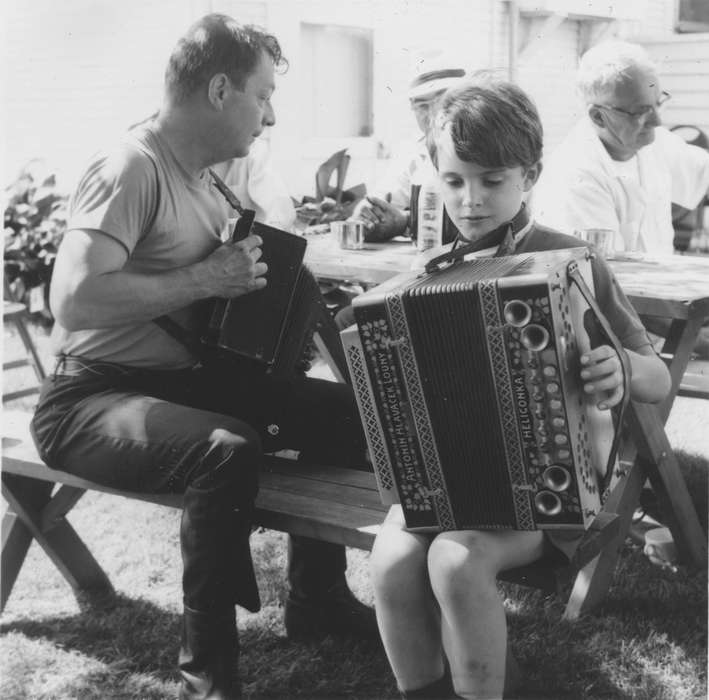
<point x="498" y="235"/>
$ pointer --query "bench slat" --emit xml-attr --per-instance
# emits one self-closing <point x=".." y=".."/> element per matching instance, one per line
<point x="343" y="508"/>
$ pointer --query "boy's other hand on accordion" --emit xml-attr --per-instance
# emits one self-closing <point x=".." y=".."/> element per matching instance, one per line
<point x="602" y="375"/>
<point x="233" y="269"/>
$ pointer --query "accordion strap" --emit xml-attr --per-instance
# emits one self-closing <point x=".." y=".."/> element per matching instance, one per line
<point x="574" y="274"/>
<point x="241" y="230"/>
<point x="190" y="340"/>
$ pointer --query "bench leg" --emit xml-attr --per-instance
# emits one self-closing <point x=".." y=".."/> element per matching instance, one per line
<point x="594" y="579"/>
<point x="16" y="540"/>
<point x="27" y="499"/>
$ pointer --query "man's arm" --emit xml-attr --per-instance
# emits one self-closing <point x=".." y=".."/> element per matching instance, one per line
<point x="92" y="289"/>
<point x="383" y="219"/>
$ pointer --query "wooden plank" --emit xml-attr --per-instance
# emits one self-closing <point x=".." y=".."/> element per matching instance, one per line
<point x="336" y="475"/>
<point x="342" y="494"/>
<point x="20" y="393"/>
<point x="333" y="522"/>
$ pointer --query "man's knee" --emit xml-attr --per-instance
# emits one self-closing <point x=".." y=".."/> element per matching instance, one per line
<point x="229" y="457"/>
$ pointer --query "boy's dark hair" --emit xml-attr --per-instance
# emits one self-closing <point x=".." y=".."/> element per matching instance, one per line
<point x="492" y="123"/>
<point x="214" y="44"/>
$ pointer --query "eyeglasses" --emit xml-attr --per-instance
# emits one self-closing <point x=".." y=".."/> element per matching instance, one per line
<point x="643" y="112"/>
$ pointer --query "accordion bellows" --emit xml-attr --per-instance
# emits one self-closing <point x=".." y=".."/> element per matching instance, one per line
<point x="273" y="325"/>
<point x="467" y="381"/>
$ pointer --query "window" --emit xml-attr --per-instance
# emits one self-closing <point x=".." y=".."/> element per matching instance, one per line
<point x="693" y="16"/>
<point x="337" y="80"/>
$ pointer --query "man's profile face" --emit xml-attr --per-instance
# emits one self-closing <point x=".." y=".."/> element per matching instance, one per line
<point x="631" y="112"/>
<point x="249" y="110"/>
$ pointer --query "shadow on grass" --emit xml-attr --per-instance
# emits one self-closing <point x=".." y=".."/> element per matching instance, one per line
<point x="135" y="645"/>
<point x="135" y="633"/>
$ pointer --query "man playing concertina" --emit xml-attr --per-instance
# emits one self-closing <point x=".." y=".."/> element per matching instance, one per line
<point x="130" y="407"/>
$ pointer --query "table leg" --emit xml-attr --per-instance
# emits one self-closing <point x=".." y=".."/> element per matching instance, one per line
<point x="661" y="467"/>
<point x="27" y="499"/>
<point x="328" y="343"/>
<point x="677" y="350"/>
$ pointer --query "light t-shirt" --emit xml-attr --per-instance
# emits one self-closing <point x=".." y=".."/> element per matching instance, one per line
<point x="139" y="195"/>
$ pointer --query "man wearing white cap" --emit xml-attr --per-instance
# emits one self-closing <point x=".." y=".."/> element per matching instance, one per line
<point x="387" y="214"/>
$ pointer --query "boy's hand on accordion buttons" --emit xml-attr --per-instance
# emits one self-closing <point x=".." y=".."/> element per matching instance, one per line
<point x="602" y="375"/>
<point x="234" y="269"/>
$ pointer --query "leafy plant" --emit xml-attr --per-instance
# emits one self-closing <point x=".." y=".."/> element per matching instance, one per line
<point x="35" y="221"/>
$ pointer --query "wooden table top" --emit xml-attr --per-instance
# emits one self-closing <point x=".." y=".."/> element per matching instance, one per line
<point x="657" y="286"/>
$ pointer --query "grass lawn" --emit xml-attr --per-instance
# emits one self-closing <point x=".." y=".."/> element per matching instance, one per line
<point x="647" y="642"/>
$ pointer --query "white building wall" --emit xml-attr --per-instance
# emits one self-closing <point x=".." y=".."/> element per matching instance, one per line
<point x="78" y="71"/>
<point x="683" y="63"/>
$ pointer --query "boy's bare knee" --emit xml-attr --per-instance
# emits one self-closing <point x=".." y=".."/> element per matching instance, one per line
<point x="459" y="562"/>
<point x="396" y="558"/>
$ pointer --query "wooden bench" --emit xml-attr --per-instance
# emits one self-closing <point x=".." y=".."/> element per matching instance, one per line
<point x="332" y="504"/>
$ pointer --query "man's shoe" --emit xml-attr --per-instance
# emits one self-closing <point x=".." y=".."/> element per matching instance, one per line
<point x="336" y="612"/>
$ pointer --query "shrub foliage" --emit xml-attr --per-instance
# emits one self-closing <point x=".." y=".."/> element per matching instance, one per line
<point x="35" y="221"/>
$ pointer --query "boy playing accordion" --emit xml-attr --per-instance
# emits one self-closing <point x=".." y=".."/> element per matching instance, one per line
<point x="439" y="612"/>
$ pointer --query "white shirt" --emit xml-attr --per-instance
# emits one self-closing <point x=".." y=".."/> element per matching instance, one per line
<point x="582" y="187"/>
<point x="413" y="167"/>
<point x="259" y="187"/>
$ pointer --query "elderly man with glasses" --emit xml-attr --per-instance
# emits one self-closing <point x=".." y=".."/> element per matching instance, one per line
<point x="618" y="168"/>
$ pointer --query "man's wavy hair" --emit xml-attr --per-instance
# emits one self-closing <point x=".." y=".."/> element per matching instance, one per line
<point x="492" y="122"/>
<point x="214" y="44"/>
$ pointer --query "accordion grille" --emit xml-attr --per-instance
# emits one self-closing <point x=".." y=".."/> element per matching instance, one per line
<point x="460" y="393"/>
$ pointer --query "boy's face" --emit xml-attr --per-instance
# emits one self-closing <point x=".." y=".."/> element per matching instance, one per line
<point x="479" y="199"/>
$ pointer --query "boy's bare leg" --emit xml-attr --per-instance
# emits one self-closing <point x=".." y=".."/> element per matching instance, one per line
<point x="463" y="567"/>
<point x="407" y="613"/>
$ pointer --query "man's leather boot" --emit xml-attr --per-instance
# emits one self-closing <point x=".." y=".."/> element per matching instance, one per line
<point x="209" y="656"/>
<point x="320" y="602"/>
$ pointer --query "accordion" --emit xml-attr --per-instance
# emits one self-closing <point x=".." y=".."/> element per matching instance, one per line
<point x="467" y="382"/>
<point x="271" y="326"/>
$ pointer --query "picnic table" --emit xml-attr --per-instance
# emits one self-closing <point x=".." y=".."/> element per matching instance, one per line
<point x="675" y="288"/>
